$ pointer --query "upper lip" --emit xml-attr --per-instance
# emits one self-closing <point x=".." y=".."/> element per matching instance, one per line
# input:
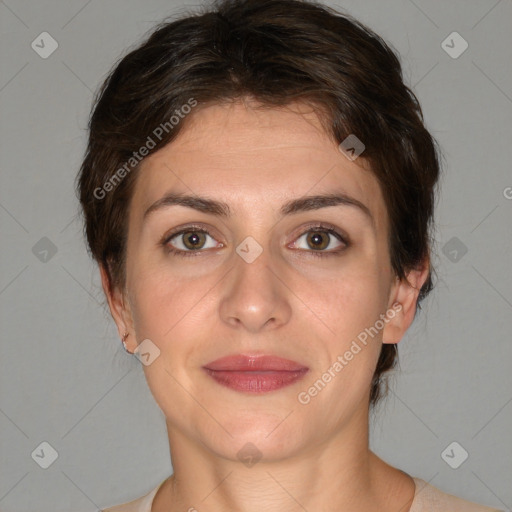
<point x="244" y="362"/>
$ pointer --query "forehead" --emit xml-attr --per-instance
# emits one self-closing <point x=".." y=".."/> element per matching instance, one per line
<point x="250" y="157"/>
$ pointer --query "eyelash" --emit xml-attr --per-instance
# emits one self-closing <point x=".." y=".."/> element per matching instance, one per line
<point x="322" y="227"/>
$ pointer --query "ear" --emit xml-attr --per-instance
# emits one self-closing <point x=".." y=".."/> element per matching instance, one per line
<point x="119" y="309"/>
<point x="402" y="300"/>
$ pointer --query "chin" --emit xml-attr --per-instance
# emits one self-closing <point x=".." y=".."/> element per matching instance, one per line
<point x="260" y="438"/>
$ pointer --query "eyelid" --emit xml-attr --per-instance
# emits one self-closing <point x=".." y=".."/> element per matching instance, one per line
<point x="183" y="229"/>
<point x="323" y="226"/>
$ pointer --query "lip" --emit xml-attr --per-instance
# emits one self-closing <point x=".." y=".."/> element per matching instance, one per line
<point x="255" y="373"/>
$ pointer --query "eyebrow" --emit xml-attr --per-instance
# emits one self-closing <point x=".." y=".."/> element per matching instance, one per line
<point x="221" y="209"/>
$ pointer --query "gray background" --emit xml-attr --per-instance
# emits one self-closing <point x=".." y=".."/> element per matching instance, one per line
<point x="64" y="377"/>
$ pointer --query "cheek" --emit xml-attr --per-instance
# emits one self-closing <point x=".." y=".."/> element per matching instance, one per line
<point x="163" y="302"/>
<point x="351" y="300"/>
<point x="348" y="305"/>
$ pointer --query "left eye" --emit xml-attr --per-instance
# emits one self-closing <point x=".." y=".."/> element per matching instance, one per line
<point x="320" y="240"/>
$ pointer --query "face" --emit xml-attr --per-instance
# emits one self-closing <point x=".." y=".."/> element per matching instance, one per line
<point x="257" y="276"/>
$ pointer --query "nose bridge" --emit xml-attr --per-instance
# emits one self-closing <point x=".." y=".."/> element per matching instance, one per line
<point x="252" y="265"/>
<point x="254" y="296"/>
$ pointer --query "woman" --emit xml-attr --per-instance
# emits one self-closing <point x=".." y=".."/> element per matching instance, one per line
<point x="258" y="192"/>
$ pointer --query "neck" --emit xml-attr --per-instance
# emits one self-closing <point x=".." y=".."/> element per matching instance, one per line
<point x="339" y="473"/>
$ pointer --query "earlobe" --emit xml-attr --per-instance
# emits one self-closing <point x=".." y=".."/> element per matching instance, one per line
<point x="405" y="293"/>
<point x="116" y="303"/>
<point x="391" y="332"/>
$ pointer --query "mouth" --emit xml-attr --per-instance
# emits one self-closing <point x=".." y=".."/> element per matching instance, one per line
<point x="255" y="374"/>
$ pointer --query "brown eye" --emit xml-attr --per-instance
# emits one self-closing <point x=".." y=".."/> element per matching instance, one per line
<point x="190" y="241"/>
<point x="193" y="239"/>
<point x="318" y="240"/>
<point x="322" y="241"/>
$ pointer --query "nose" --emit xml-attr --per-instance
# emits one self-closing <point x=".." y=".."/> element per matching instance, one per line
<point x="254" y="298"/>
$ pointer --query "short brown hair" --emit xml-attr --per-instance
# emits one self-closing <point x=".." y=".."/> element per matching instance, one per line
<point x="277" y="52"/>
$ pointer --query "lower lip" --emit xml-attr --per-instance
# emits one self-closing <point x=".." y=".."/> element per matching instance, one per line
<point x="256" y="381"/>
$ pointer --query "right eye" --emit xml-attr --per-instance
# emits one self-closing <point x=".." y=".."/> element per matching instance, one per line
<point x="188" y="240"/>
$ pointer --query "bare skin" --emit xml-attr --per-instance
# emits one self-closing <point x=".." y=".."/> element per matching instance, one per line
<point x="288" y="302"/>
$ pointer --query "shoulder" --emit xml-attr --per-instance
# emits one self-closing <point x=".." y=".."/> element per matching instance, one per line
<point x="142" y="504"/>
<point x="428" y="498"/>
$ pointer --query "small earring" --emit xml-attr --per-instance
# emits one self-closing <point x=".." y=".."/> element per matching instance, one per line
<point x="125" y="335"/>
